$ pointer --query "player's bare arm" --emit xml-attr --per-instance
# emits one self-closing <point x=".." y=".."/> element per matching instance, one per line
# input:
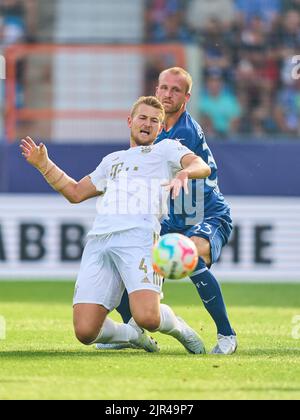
<point x="73" y="191"/>
<point x="193" y="168"/>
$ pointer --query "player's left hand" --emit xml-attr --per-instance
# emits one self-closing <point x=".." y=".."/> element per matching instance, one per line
<point x="180" y="181"/>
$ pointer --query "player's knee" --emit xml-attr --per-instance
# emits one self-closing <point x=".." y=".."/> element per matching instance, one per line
<point x="151" y="325"/>
<point x="85" y="336"/>
<point x="149" y="321"/>
<point x="203" y="248"/>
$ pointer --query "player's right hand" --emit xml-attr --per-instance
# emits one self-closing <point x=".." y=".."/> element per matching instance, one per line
<point x="37" y="156"/>
<point x="180" y="181"/>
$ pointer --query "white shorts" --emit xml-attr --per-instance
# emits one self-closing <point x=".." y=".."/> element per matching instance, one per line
<point x="111" y="263"/>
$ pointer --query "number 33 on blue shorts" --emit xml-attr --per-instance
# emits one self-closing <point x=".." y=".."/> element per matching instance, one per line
<point x="216" y="230"/>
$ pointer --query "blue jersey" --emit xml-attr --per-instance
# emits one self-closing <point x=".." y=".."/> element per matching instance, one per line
<point x="191" y="135"/>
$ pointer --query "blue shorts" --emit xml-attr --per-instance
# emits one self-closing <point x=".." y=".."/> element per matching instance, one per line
<point x="216" y="230"/>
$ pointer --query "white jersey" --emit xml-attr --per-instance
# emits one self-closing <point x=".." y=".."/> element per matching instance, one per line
<point x="132" y="182"/>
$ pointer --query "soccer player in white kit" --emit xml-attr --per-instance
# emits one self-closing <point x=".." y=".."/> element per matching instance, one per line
<point x="118" y="253"/>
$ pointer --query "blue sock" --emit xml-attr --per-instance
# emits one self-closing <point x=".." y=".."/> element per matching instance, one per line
<point x="211" y="295"/>
<point x="124" y="308"/>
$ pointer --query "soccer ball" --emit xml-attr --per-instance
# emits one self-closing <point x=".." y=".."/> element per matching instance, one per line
<point x="175" y="257"/>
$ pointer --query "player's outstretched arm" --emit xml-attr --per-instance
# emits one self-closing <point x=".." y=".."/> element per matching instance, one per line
<point x="37" y="156"/>
<point x="193" y="168"/>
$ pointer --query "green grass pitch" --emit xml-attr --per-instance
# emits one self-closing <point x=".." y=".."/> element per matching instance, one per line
<point x="40" y="359"/>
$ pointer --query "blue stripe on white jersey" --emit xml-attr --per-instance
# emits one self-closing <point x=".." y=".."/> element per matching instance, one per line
<point x="191" y="135"/>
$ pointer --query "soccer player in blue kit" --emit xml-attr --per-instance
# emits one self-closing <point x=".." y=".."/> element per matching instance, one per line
<point x="212" y="230"/>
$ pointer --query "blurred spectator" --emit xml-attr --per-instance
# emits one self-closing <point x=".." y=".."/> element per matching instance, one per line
<point x="217" y="54"/>
<point x="201" y="12"/>
<point x="173" y="30"/>
<point x="13" y="23"/>
<point x="257" y="74"/>
<point x="287" y="67"/>
<point x="287" y="110"/>
<point x="288" y="35"/>
<point x="268" y="10"/>
<point x="165" y="21"/>
<point x="290" y="5"/>
<point x="19" y="21"/>
<point x="155" y="65"/>
<point x="17" y="25"/>
<point x="219" y="108"/>
<point x="259" y="120"/>
<point x="254" y="34"/>
<point x="288" y="43"/>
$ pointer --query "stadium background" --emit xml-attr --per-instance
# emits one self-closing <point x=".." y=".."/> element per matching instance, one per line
<point x="73" y="70"/>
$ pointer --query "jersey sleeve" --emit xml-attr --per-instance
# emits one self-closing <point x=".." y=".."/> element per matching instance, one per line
<point x="174" y="152"/>
<point x="98" y="177"/>
<point x="190" y="137"/>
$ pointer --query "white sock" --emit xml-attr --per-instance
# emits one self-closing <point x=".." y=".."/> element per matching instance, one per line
<point x="169" y="324"/>
<point x="115" y="333"/>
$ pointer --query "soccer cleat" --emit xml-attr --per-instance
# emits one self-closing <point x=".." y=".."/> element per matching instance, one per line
<point x="227" y="345"/>
<point x="147" y="343"/>
<point x="189" y="338"/>
<point x="143" y="341"/>
<point x="120" y="346"/>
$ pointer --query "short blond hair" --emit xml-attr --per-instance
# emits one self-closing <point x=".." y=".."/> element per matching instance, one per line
<point x="178" y="71"/>
<point x="150" y="101"/>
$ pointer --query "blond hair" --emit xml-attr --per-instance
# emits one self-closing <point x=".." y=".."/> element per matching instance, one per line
<point x="178" y="71"/>
<point x="150" y="101"/>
